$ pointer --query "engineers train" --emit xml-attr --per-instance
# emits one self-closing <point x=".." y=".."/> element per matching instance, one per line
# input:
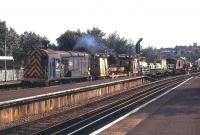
<point x="165" y="67"/>
<point x="47" y="67"/>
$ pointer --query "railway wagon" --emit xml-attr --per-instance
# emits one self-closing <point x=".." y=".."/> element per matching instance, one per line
<point x="196" y="65"/>
<point x="160" y="67"/>
<point x="99" y="66"/>
<point x="175" y="66"/>
<point x="130" y="64"/>
<point x="144" y="70"/>
<point x="127" y="66"/>
<point x="163" y="63"/>
<point x="154" y="68"/>
<point x="46" y="66"/>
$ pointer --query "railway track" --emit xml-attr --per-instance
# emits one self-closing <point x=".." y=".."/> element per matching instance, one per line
<point x="86" y="118"/>
<point x="90" y="122"/>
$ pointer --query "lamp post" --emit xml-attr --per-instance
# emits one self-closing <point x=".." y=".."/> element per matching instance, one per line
<point x="5" y="57"/>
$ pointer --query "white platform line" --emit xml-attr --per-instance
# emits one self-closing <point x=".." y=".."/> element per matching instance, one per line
<point x="137" y="109"/>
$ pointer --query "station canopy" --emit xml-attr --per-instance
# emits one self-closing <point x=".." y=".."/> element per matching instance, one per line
<point x="6" y="58"/>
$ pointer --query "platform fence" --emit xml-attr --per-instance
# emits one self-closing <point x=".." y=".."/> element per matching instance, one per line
<point x="11" y="75"/>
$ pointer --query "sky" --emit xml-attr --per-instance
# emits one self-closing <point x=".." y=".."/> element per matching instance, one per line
<point x="161" y="23"/>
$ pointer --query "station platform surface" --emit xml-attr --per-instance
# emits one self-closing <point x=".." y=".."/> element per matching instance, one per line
<point x="12" y="95"/>
<point x="176" y="113"/>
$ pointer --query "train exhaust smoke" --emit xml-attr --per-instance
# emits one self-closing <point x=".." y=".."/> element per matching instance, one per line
<point x="88" y="43"/>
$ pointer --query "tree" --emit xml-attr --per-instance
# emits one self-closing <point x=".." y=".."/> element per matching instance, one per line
<point x="12" y="41"/>
<point x="150" y="53"/>
<point x="92" y="41"/>
<point x="11" y="37"/>
<point x="97" y="33"/>
<point x="119" y="45"/>
<point x="52" y="46"/>
<point x="68" y="40"/>
<point x="30" y="40"/>
<point x="2" y="36"/>
<point x="78" y="40"/>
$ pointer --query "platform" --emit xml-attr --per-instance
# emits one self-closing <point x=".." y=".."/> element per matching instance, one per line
<point x="176" y="113"/>
<point x="9" y="82"/>
<point x="9" y="85"/>
<point x="29" y="94"/>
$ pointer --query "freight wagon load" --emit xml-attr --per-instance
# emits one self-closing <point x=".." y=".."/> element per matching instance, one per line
<point x="176" y="66"/>
<point x="158" y="68"/>
<point x="127" y="66"/>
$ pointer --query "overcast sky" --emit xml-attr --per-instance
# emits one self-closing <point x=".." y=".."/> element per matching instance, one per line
<point x="161" y="23"/>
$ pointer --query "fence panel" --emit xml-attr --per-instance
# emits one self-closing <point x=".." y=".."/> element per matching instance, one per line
<point x="16" y="74"/>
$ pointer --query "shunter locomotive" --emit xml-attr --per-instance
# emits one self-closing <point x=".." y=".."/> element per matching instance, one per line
<point x="48" y="66"/>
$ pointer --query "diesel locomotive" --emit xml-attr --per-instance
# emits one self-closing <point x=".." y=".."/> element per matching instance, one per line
<point x="46" y="66"/>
